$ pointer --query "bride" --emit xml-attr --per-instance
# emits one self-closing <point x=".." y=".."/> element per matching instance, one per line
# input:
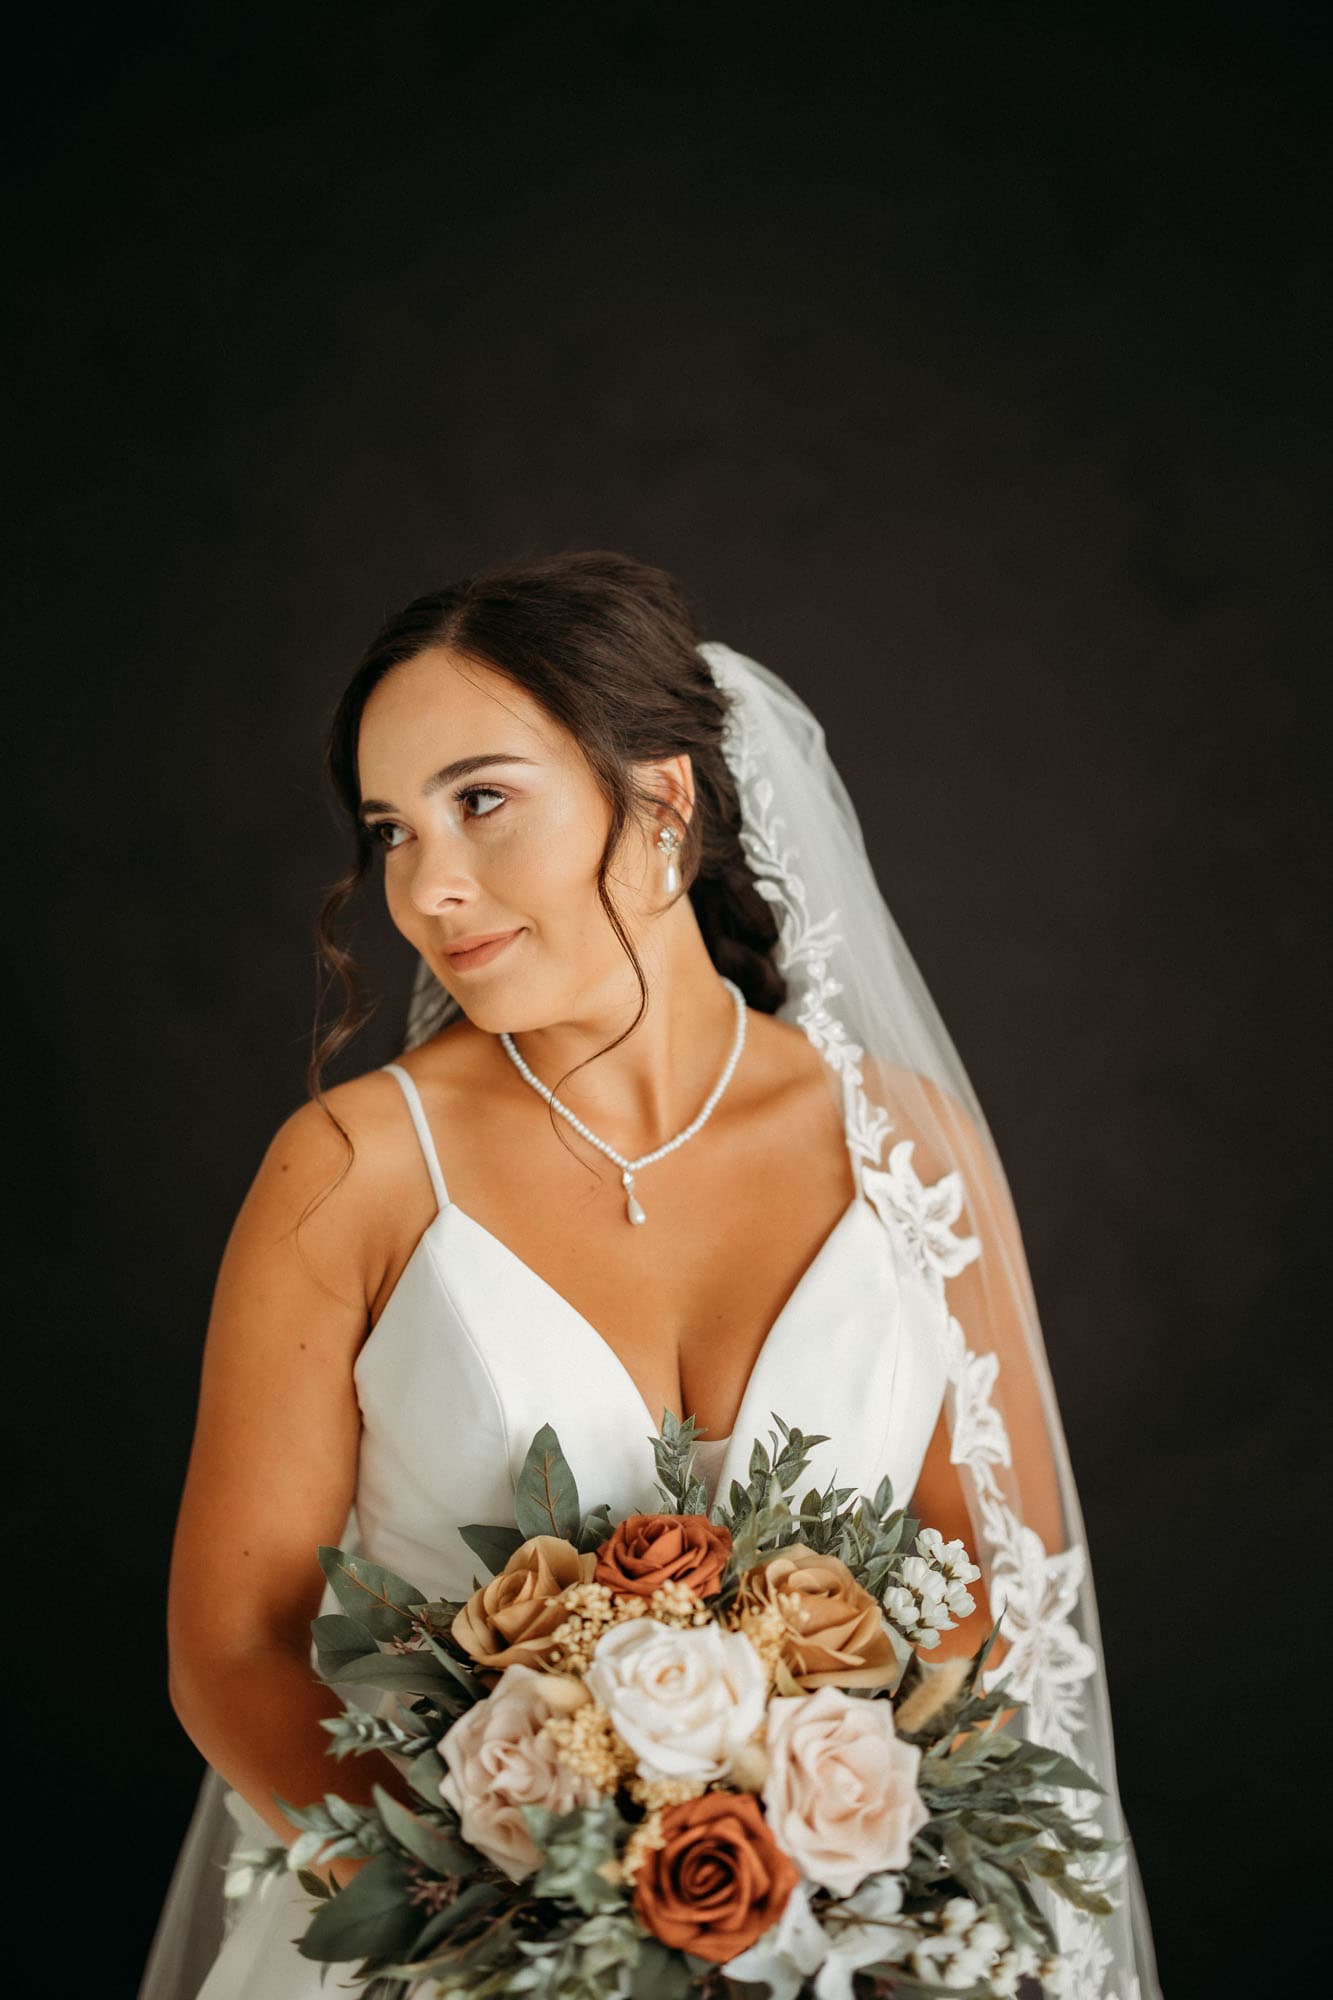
<point x="676" y="1127"/>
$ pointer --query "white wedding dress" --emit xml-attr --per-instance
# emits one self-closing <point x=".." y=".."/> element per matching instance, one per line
<point x="474" y="1352"/>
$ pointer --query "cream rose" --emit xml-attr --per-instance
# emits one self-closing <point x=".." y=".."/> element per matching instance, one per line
<point x="500" y="1762"/>
<point x="685" y="1698"/>
<point x="841" y="1792"/>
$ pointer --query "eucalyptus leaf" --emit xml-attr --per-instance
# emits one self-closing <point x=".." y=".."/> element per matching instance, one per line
<point x="596" y="1528"/>
<point x="575" y="1846"/>
<point x="474" y="1901"/>
<point x="411" y="1673"/>
<point x="990" y="1746"/>
<point x="1083" y="1895"/>
<point x="311" y="1847"/>
<point x="347" y="1813"/>
<point x="1057" y="1769"/>
<point x="424" y="1774"/>
<point x="375" y="1597"/>
<point x="1004" y="1834"/>
<point x="493" y="1545"/>
<point x="357" y="1732"/>
<point x="369" y="1917"/>
<point x="427" y="1842"/>
<point x="317" y="1818"/>
<point x="547" y="1499"/>
<point x="339" y="1640"/>
<point x="659" y="1973"/>
<point x="458" y="1670"/>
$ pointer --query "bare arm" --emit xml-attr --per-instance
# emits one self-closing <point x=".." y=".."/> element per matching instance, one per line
<point x="272" y="1469"/>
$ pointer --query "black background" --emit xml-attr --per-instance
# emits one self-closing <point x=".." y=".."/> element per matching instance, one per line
<point x="962" y="360"/>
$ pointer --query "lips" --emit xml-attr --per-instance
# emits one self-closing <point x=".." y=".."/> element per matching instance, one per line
<point x="479" y="950"/>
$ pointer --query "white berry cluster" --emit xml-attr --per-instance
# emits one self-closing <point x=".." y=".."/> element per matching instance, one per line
<point x="933" y="1592"/>
<point x="969" y="1949"/>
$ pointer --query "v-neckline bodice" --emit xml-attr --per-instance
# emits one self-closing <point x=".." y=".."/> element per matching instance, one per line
<point x="600" y="1346"/>
<point x="449" y="1215"/>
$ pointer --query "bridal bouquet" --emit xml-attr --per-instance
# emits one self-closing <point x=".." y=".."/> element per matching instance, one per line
<point x="655" y="1756"/>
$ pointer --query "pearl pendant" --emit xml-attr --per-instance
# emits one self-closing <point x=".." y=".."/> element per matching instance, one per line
<point x="634" y="1208"/>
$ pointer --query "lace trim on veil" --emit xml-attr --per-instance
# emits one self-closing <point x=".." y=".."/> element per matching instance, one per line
<point x="1047" y="1660"/>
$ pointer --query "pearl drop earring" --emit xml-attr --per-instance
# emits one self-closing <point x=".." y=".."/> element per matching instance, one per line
<point x="669" y="840"/>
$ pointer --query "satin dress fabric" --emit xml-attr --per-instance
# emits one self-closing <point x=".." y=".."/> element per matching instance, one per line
<point x="474" y="1352"/>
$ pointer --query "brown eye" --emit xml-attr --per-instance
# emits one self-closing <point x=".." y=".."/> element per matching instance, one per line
<point x="483" y="791"/>
<point x="380" y="829"/>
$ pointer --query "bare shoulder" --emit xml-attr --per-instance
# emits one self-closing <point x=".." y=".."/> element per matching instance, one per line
<point x="785" y="1053"/>
<point x="459" y="1060"/>
<point x="334" y="1150"/>
<point x="789" y="1056"/>
<point x="335" y="1179"/>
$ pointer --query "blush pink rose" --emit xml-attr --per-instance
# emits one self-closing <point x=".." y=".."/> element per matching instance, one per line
<point x="499" y="1762"/>
<point x="841" y="1791"/>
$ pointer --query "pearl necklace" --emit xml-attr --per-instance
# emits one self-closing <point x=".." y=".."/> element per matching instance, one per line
<point x="634" y="1210"/>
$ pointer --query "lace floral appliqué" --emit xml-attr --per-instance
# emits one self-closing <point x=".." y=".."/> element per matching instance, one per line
<point x="924" y="1215"/>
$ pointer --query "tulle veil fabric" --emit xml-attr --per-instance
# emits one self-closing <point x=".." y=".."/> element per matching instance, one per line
<point x="928" y="1159"/>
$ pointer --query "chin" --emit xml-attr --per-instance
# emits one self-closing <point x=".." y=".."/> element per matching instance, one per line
<point x="487" y="1016"/>
<point x="492" y="1010"/>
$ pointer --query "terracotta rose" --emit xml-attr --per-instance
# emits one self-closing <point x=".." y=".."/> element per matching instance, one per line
<point x="510" y="1620"/>
<point x="719" y="1880"/>
<point x="647" y="1550"/>
<point x="835" y="1631"/>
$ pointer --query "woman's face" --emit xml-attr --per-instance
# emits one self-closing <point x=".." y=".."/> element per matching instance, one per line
<point x="510" y="843"/>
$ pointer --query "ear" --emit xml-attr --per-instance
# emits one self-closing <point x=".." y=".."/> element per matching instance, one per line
<point x="670" y="779"/>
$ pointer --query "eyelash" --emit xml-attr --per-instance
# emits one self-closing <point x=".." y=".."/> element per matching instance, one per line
<point x="378" y="827"/>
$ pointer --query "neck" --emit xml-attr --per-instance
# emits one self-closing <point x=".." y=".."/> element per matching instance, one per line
<point x="639" y="1094"/>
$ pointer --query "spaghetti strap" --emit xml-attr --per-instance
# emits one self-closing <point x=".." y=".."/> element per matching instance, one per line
<point x="414" y="1105"/>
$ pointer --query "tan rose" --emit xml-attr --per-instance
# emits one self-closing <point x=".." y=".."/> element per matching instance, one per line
<point x="836" y="1635"/>
<point x="510" y="1621"/>
<point x="648" y="1550"/>
<point x="719" y="1879"/>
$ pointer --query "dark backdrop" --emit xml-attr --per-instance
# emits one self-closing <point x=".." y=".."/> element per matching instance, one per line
<point x="961" y="361"/>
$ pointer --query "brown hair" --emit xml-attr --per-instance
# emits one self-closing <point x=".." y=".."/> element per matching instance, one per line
<point x="608" y="646"/>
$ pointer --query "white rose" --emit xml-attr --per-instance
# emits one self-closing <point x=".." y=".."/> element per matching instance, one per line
<point x="499" y="1762"/>
<point x="841" y="1794"/>
<point x="685" y="1698"/>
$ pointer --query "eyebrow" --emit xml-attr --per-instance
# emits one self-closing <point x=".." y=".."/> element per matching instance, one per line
<point x="446" y="775"/>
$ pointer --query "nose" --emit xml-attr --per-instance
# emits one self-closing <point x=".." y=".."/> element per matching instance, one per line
<point x="442" y="877"/>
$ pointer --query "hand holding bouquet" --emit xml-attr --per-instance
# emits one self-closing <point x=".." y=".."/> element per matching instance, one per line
<point x="684" y="1749"/>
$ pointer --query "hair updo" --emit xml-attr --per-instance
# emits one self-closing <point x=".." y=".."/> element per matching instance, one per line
<point x="608" y="646"/>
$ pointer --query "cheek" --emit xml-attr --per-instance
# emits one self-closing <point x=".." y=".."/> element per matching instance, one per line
<point x="551" y="861"/>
